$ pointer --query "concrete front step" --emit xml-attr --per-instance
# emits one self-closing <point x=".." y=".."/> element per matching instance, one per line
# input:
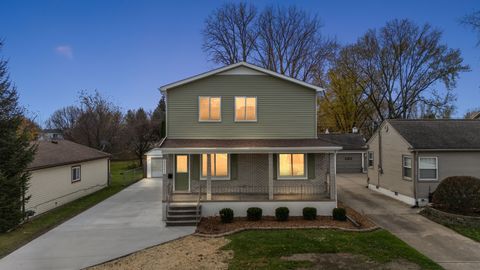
<point x="183" y="214"/>
<point x="181" y="223"/>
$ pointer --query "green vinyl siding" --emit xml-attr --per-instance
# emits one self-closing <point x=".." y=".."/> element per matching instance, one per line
<point x="284" y="109"/>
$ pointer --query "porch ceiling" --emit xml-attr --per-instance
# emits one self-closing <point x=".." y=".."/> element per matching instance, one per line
<point x="194" y="146"/>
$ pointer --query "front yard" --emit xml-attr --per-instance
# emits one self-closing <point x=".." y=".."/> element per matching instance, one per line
<point x="280" y="249"/>
<point x="37" y="226"/>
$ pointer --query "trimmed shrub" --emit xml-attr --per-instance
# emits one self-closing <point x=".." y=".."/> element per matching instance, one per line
<point x="226" y="215"/>
<point x="281" y="213"/>
<point x="309" y="213"/>
<point x="458" y="194"/>
<point x="254" y="213"/>
<point x="339" y="214"/>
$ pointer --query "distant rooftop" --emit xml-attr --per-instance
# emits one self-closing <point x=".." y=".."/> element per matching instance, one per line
<point x="349" y="141"/>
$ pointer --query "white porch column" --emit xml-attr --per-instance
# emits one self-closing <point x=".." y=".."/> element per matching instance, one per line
<point x="270" y="176"/>
<point x="209" y="178"/>
<point x="333" y="174"/>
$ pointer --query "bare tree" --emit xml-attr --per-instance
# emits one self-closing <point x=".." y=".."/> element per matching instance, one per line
<point x="141" y="131"/>
<point x="228" y="33"/>
<point x="400" y="65"/>
<point x="64" y="119"/>
<point x="473" y="20"/>
<point x="289" y="43"/>
<point x="96" y="122"/>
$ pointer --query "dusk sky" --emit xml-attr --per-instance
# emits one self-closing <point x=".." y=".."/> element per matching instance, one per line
<point x="127" y="49"/>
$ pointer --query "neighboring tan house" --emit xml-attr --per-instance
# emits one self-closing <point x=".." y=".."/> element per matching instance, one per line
<point x="351" y="159"/>
<point x="242" y="136"/>
<point x="63" y="171"/>
<point x="476" y="115"/>
<point x="407" y="159"/>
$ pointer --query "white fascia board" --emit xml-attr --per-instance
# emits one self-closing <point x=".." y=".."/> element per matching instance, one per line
<point x="237" y="150"/>
<point x="229" y="67"/>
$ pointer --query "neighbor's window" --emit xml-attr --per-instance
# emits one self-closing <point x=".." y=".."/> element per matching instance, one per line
<point x="219" y="168"/>
<point x="291" y="165"/>
<point x="407" y="167"/>
<point x="76" y="174"/>
<point x="428" y="168"/>
<point x="370" y="159"/>
<point x="209" y="109"/>
<point x="245" y="109"/>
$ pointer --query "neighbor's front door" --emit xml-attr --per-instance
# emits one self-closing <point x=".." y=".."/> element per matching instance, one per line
<point x="181" y="173"/>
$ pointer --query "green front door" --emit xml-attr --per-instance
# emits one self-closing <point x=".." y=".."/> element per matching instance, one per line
<point x="181" y="173"/>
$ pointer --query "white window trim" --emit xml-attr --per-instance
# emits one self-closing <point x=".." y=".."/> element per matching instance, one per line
<point x="212" y="177"/>
<point x="209" y="109"/>
<point x="403" y="167"/>
<point x="305" y="161"/>
<point x="79" y="167"/>
<point x="368" y="159"/>
<point x="235" y="109"/>
<point x="436" y="170"/>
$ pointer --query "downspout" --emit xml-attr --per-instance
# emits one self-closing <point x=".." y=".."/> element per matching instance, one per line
<point x="380" y="161"/>
<point x="414" y="176"/>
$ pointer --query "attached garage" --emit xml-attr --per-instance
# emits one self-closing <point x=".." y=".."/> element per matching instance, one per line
<point x="349" y="163"/>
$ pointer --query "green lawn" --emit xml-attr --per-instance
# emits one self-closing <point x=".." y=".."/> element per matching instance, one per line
<point x="470" y="232"/>
<point x="29" y="231"/>
<point x="263" y="249"/>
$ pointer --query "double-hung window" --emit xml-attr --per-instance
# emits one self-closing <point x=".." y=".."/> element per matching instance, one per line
<point x="245" y="109"/>
<point x="219" y="166"/>
<point x="292" y="166"/>
<point x="428" y="168"/>
<point x="209" y="109"/>
<point x="76" y="174"/>
<point x="407" y="167"/>
<point x="370" y="159"/>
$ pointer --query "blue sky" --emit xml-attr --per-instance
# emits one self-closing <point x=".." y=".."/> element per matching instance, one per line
<point x="127" y="49"/>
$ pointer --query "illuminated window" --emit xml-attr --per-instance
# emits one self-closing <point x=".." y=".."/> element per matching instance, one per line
<point x="245" y="109"/>
<point x="219" y="168"/>
<point x="182" y="164"/>
<point x="291" y="165"/>
<point x="209" y="109"/>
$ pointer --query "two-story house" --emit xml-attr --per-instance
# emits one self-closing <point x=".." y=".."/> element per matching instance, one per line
<point x="242" y="136"/>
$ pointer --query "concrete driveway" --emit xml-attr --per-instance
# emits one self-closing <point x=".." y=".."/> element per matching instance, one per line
<point x="444" y="246"/>
<point x="130" y="220"/>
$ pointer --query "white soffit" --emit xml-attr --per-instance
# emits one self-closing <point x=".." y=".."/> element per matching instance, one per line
<point x="241" y="70"/>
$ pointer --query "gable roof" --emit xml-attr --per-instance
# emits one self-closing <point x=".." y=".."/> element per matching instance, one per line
<point x="349" y="141"/>
<point x="448" y="134"/>
<point x="62" y="152"/>
<point x="238" y="65"/>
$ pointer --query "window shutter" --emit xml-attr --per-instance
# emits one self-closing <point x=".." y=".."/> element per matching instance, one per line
<point x="275" y="157"/>
<point x="233" y="166"/>
<point x="195" y="167"/>
<point x="311" y="165"/>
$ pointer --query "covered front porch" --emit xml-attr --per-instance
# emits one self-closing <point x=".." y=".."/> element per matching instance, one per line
<point x="245" y="170"/>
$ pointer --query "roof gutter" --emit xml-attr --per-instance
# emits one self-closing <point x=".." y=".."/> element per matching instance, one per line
<point x="443" y="150"/>
<point x="239" y="150"/>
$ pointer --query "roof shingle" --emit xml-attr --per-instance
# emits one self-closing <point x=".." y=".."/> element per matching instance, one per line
<point x="440" y="134"/>
<point x="63" y="152"/>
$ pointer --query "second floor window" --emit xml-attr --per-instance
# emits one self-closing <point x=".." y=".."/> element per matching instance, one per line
<point x="209" y="109"/>
<point x="245" y="109"/>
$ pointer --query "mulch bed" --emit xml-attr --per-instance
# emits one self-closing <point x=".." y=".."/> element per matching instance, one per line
<point x="213" y="225"/>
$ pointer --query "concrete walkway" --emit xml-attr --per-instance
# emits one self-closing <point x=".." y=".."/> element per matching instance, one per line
<point x="444" y="246"/>
<point x="126" y="222"/>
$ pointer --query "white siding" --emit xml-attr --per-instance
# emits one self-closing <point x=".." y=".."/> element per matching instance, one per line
<point x="52" y="187"/>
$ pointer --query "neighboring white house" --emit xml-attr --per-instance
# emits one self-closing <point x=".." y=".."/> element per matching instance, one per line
<point x="63" y="171"/>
